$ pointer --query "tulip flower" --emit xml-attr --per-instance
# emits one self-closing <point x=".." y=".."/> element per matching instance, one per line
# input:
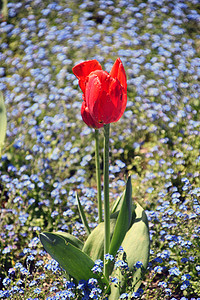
<point x="126" y="225"/>
<point x="104" y="94"/>
<point x="104" y="102"/>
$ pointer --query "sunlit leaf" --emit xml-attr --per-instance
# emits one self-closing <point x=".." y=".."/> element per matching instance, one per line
<point x="117" y="204"/>
<point x="123" y="220"/>
<point x="75" y="262"/>
<point x="70" y="238"/>
<point x="136" y="245"/>
<point x="94" y="245"/>
<point x="83" y="216"/>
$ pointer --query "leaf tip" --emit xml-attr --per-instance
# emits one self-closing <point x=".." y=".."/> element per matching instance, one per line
<point x="45" y="237"/>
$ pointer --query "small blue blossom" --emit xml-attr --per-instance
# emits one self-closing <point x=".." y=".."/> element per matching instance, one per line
<point x="123" y="296"/>
<point x="121" y="265"/>
<point x="114" y="280"/>
<point x="138" y="293"/>
<point x="6" y="281"/>
<point x="96" y="269"/>
<point x="109" y="257"/>
<point x="30" y="258"/>
<point x="138" y="265"/>
<point x="158" y="269"/>
<point x="95" y="293"/>
<point x="174" y="271"/>
<point x="32" y="283"/>
<point x="162" y="284"/>
<point x="185" y="285"/>
<point x="37" y="291"/>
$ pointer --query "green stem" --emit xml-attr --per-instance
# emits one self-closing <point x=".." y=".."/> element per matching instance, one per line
<point x="106" y="197"/>
<point x="98" y="176"/>
<point x="5" y="9"/>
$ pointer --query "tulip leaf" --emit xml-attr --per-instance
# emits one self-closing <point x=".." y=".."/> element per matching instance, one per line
<point x="82" y="214"/>
<point x="117" y="204"/>
<point x="70" y="238"/>
<point x="94" y="245"/>
<point x="136" y="245"/>
<point x="123" y="220"/>
<point x="3" y="121"/>
<point x="75" y="262"/>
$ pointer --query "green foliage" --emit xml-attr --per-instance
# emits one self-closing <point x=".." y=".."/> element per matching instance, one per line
<point x="123" y="220"/>
<point x="82" y="214"/>
<point x="128" y="228"/>
<point x="76" y="263"/>
<point x="136" y="247"/>
<point x="94" y="245"/>
<point x="70" y="239"/>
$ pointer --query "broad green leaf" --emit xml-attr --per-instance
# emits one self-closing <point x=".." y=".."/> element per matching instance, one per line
<point x="83" y="217"/>
<point x="75" y="262"/>
<point x="94" y="245"/>
<point x="3" y="121"/>
<point x="70" y="238"/>
<point x="136" y="245"/>
<point x="123" y="220"/>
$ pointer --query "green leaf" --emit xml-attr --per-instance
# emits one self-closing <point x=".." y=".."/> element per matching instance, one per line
<point x="70" y="238"/>
<point x="3" y="121"/>
<point x="75" y="262"/>
<point x="123" y="220"/>
<point x="117" y="204"/>
<point x="136" y="245"/>
<point x="94" y="245"/>
<point x="83" y="217"/>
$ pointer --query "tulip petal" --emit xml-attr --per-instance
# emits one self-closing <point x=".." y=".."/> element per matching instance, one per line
<point x="105" y="97"/>
<point x="104" y="78"/>
<point x="87" y="117"/>
<point x="119" y="99"/>
<point x="123" y="106"/>
<point x="119" y="73"/>
<point x="103" y="109"/>
<point x="82" y="70"/>
<point x="97" y="97"/>
<point x="92" y="92"/>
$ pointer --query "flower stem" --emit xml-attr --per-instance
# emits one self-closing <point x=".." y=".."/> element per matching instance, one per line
<point x="4" y="9"/>
<point x="106" y="197"/>
<point x="98" y="176"/>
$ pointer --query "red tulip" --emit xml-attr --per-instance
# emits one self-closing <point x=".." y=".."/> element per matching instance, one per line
<point x="104" y="94"/>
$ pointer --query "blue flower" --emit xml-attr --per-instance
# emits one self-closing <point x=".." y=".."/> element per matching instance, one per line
<point x="138" y="265"/>
<point x="6" y="281"/>
<point x="109" y="257"/>
<point x="138" y="293"/>
<point x="158" y="269"/>
<point x="95" y="293"/>
<point x="96" y="269"/>
<point x="121" y="265"/>
<point x="123" y="296"/>
<point x="4" y="294"/>
<point x="185" y="285"/>
<point x="174" y="271"/>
